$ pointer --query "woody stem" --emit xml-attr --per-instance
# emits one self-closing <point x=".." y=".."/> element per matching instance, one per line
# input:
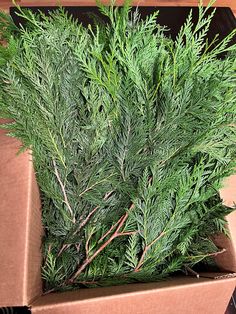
<point x="116" y="234"/>
<point x="147" y="247"/>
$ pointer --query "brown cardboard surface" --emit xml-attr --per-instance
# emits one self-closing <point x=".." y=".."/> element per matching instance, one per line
<point x="5" y="4"/>
<point x="228" y="192"/>
<point x="227" y="260"/>
<point x="34" y="243"/>
<point x="176" y="296"/>
<point x="20" y="226"/>
<point x="223" y="3"/>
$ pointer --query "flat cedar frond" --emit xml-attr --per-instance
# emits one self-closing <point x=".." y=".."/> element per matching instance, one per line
<point x="131" y="133"/>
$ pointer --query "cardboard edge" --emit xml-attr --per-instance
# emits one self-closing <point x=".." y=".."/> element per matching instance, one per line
<point x="180" y="3"/>
<point x="98" y="300"/>
<point x="32" y="278"/>
<point x="12" y="236"/>
<point x="227" y="260"/>
<point x="217" y="276"/>
<point x="183" y="3"/>
<point x="20" y="279"/>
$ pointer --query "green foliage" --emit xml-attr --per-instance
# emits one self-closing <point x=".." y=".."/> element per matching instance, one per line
<point x="7" y="29"/>
<point x="131" y="134"/>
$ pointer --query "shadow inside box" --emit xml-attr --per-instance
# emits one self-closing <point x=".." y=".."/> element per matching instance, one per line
<point x="173" y="17"/>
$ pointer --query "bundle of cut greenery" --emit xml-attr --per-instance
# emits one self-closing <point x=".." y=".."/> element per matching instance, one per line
<point x="131" y="134"/>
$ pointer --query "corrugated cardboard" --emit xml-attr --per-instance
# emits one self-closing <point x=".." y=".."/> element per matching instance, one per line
<point x="176" y="296"/>
<point x="227" y="260"/>
<point x="5" y="4"/>
<point x="20" y="238"/>
<point x="20" y="226"/>
<point x="222" y="3"/>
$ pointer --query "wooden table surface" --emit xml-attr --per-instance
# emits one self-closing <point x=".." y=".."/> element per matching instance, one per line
<point x="5" y="4"/>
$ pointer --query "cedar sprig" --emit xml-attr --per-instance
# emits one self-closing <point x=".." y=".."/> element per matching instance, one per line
<point x="131" y="134"/>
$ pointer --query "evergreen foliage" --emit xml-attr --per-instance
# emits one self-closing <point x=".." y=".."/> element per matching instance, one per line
<point x="131" y="135"/>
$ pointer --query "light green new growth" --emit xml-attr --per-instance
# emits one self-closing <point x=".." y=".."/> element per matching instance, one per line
<point x="131" y="133"/>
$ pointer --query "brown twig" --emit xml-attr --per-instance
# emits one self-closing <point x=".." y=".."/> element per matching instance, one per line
<point x="49" y="291"/>
<point x="214" y="254"/>
<point x="64" y="247"/>
<point x="87" y="282"/>
<point x="127" y="233"/>
<point x="48" y="252"/>
<point x="150" y="180"/>
<point x="93" y="185"/>
<point x="116" y="234"/>
<point x="63" y="191"/>
<point x="84" y="222"/>
<point x="147" y="247"/>
<point x="78" y="246"/>
<point x="62" y="285"/>
<point x="87" y="245"/>
<point x="190" y="270"/>
<point x="109" y="231"/>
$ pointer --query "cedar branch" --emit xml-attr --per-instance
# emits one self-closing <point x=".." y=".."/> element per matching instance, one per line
<point x="109" y="231"/>
<point x="64" y="247"/>
<point x="147" y="247"/>
<point x="214" y="254"/>
<point x="84" y="222"/>
<point x="93" y="185"/>
<point x="116" y="234"/>
<point x="190" y="270"/>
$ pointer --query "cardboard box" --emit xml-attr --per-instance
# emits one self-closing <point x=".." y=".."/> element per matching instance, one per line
<point x="20" y="252"/>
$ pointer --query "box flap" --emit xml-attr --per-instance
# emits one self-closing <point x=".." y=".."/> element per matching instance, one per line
<point x="20" y="223"/>
<point x="5" y="4"/>
<point x="217" y="276"/>
<point x="228" y="192"/>
<point x="227" y="260"/>
<point x="181" y="295"/>
<point x="184" y="3"/>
